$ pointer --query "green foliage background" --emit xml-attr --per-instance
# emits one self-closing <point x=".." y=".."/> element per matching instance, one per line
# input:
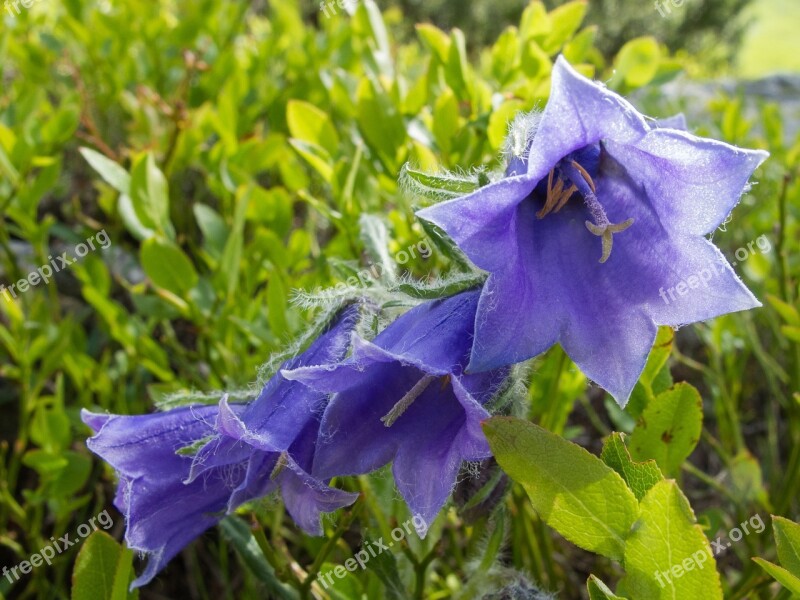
<point x="230" y="152"/>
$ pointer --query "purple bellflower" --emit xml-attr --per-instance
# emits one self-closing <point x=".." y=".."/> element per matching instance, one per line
<point x="170" y="498"/>
<point x="404" y="398"/>
<point x="599" y="182"/>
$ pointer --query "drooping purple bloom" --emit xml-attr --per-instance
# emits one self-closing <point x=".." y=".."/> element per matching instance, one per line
<point x="599" y="182"/>
<point x="170" y="498"/>
<point x="404" y="398"/>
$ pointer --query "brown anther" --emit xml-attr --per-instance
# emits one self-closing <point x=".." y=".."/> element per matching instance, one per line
<point x="565" y="197"/>
<point x="585" y="175"/>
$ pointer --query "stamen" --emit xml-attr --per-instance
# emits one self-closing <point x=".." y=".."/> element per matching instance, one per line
<point x="565" y="198"/>
<point x="283" y="460"/>
<point x="406" y="401"/>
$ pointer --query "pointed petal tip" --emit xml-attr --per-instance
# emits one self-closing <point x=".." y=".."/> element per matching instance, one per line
<point x="95" y="420"/>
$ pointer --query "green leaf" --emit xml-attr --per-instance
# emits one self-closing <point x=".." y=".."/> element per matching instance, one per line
<point x="239" y="535"/>
<point x="667" y="556"/>
<point x="637" y="63"/>
<point x="640" y="476"/>
<point x="149" y="195"/>
<point x="316" y="156"/>
<point x="227" y="276"/>
<point x="435" y="39"/>
<point x="599" y="590"/>
<point x="669" y="428"/>
<point x="457" y="68"/>
<point x="445" y="120"/>
<point x="213" y="227"/>
<point x="787" y="539"/>
<point x="500" y="120"/>
<point x="167" y="266"/>
<point x="309" y="124"/>
<point x="565" y="21"/>
<point x="781" y="575"/>
<point x="437" y="187"/>
<point x="788" y="312"/>
<point x="654" y="372"/>
<point x="100" y="563"/>
<point x="112" y="173"/>
<point x="376" y="238"/>
<point x="276" y="306"/>
<point x="573" y="491"/>
<point x="443" y="288"/>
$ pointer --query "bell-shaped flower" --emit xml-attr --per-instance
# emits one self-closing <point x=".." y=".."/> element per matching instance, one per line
<point x="180" y="472"/>
<point x="404" y="398"/>
<point x="597" y="236"/>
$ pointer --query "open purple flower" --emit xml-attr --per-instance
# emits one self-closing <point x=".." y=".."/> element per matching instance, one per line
<point x="169" y="498"/>
<point x="599" y="182"/>
<point x="405" y="398"/>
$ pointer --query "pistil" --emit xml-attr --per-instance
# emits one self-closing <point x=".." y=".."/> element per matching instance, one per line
<point x="601" y="226"/>
<point x="406" y="401"/>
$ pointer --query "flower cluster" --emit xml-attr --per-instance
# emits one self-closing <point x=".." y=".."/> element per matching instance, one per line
<point x="597" y="210"/>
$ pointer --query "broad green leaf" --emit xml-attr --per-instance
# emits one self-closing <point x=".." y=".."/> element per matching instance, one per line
<point x="227" y="276"/>
<point x="436" y="39"/>
<point x="112" y="173"/>
<point x="276" y="306"/>
<point x="149" y="195"/>
<point x="789" y="313"/>
<point x="787" y="539"/>
<point x="457" y="68"/>
<point x="167" y="266"/>
<point x="599" y="590"/>
<point x="316" y="156"/>
<point x="213" y="227"/>
<point x="640" y="476"/>
<point x="747" y="480"/>
<point x="781" y="575"/>
<point x="667" y="556"/>
<point x="564" y="22"/>
<point x="535" y="63"/>
<point x="441" y="289"/>
<point x="500" y="120"/>
<point x="445" y="120"/>
<point x="669" y="428"/>
<point x="435" y="186"/>
<point x="535" y="22"/>
<point x="573" y="491"/>
<point x="379" y="120"/>
<point x="310" y="124"/>
<point x="96" y="568"/>
<point x="656" y="370"/>
<point x="637" y="63"/>
<point x="578" y="49"/>
<point x="130" y="219"/>
<point x="376" y="237"/>
<point x="239" y="535"/>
